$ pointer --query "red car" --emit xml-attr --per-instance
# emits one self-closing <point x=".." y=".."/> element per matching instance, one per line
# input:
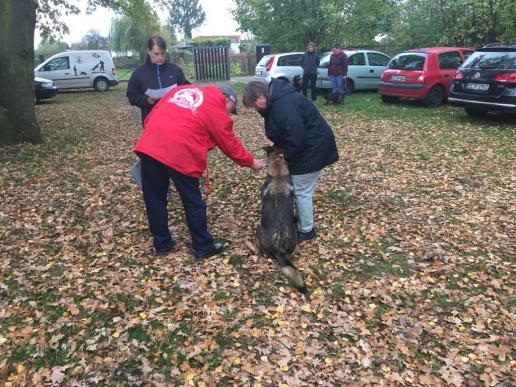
<point x="423" y="74"/>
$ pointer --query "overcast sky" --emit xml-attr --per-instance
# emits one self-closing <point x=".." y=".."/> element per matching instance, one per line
<point x="218" y="21"/>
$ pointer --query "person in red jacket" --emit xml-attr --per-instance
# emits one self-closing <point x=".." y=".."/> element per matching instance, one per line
<point x="338" y="71"/>
<point x="180" y="130"/>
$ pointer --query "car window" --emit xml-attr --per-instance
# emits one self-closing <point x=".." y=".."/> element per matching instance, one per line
<point x="289" y="60"/>
<point x="467" y="54"/>
<point x="264" y="60"/>
<point x="325" y="61"/>
<point x="357" y="59"/>
<point x="62" y="63"/>
<point x="410" y="61"/>
<point x="491" y="60"/>
<point x="376" y="59"/>
<point x="449" y="60"/>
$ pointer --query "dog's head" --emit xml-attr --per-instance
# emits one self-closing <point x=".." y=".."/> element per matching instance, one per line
<point x="297" y="82"/>
<point x="276" y="164"/>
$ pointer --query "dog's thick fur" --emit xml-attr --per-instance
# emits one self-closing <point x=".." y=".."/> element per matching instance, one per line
<point x="276" y="235"/>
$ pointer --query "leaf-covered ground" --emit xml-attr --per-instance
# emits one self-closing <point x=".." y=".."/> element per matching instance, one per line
<point x="411" y="276"/>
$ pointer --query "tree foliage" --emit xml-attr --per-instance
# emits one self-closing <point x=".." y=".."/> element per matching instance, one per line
<point x="48" y="47"/>
<point x="289" y="24"/>
<point x="456" y="22"/>
<point x="185" y="15"/>
<point x="92" y="41"/>
<point x="128" y="35"/>
<point x="207" y="42"/>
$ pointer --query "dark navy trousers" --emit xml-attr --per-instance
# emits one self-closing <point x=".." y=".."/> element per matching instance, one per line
<point x="155" y="180"/>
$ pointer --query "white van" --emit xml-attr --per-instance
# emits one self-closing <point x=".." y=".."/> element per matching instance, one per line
<point x="78" y="69"/>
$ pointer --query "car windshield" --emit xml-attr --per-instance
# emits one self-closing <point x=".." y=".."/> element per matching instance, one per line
<point x="491" y="60"/>
<point x="264" y="60"/>
<point x="408" y="61"/>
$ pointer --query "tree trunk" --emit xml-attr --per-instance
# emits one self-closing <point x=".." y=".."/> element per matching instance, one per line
<point x="17" y="114"/>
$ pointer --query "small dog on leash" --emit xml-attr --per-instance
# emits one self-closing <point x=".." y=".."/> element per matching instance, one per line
<point x="276" y="235"/>
<point x="334" y="98"/>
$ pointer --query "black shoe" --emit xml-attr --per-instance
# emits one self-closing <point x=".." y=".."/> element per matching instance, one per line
<point x="306" y="236"/>
<point x="162" y="253"/>
<point x="215" y="249"/>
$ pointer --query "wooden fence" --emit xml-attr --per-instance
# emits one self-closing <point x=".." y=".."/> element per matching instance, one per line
<point x="212" y="63"/>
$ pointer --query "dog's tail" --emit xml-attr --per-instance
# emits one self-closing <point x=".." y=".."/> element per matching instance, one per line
<point x="292" y="272"/>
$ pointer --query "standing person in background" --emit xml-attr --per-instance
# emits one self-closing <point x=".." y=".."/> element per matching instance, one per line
<point x="338" y="71"/>
<point x="309" y="62"/>
<point x="155" y="73"/>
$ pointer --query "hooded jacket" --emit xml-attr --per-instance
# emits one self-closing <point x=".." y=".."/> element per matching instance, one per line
<point x="152" y="76"/>
<point x="338" y="63"/>
<point x="294" y="124"/>
<point x="309" y="61"/>
<point x="185" y="124"/>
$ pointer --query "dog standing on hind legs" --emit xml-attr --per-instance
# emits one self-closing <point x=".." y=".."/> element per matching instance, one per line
<point x="276" y="235"/>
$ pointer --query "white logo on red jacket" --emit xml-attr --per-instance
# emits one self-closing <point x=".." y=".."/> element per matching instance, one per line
<point x="188" y="98"/>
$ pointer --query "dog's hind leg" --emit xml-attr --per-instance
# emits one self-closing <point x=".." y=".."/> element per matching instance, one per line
<point x="252" y="247"/>
<point x="292" y="272"/>
<point x="255" y="248"/>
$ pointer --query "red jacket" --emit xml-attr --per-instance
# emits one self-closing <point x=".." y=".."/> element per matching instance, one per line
<point x="338" y="63"/>
<point x="185" y="124"/>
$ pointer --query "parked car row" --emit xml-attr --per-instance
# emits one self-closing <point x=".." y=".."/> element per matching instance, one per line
<point x="364" y="69"/>
<point x="486" y="81"/>
<point x="480" y="81"/>
<point x="422" y="74"/>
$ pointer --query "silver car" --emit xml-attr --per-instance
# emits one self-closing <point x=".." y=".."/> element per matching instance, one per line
<point x="285" y="65"/>
<point x="365" y="68"/>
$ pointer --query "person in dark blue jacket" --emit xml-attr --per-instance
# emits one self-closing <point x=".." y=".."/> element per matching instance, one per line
<point x="294" y="124"/>
<point x="309" y="62"/>
<point x="155" y="73"/>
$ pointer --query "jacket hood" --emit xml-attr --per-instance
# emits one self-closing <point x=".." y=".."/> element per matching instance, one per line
<point x="277" y="89"/>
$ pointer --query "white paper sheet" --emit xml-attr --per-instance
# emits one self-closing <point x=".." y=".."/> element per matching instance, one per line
<point x="159" y="93"/>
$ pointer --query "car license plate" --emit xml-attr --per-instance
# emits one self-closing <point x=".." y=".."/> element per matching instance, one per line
<point x="258" y="73"/>
<point x="399" y="78"/>
<point x="477" y="86"/>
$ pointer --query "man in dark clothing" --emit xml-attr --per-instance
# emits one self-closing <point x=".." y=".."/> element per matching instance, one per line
<point x="337" y="72"/>
<point x="309" y="62"/>
<point x="155" y="73"/>
<point x="295" y="125"/>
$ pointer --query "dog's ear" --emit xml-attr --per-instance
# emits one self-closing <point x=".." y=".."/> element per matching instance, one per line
<point x="268" y="149"/>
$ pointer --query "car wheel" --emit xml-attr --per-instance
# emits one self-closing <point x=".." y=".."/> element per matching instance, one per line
<point x="101" y="84"/>
<point x="389" y="99"/>
<point x="475" y="112"/>
<point x="350" y="86"/>
<point x="434" y="97"/>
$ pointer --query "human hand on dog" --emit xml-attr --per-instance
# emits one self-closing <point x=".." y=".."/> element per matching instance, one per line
<point x="257" y="165"/>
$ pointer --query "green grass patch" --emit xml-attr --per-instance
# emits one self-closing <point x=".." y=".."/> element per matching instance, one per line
<point x="236" y="260"/>
<point x="138" y="333"/>
<point x="396" y="266"/>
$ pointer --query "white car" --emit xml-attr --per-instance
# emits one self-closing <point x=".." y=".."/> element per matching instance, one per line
<point x="79" y="69"/>
<point x="285" y="65"/>
<point x="365" y="68"/>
